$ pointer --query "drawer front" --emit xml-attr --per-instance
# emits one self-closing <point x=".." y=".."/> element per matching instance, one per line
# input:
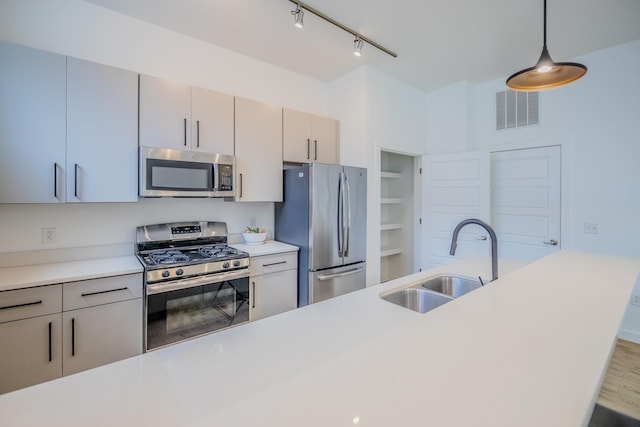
<point x="30" y="302"/>
<point x="87" y="293"/>
<point x="266" y="264"/>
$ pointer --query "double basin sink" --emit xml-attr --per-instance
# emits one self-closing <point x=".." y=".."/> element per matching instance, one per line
<point x="432" y="293"/>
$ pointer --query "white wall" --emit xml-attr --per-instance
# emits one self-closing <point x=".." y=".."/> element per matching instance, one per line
<point x="597" y="122"/>
<point x="377" y="112"/>
<point x="83" y="30"/>
<point x="448" y="116"/>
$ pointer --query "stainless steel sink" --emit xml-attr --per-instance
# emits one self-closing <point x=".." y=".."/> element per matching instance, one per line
<point x="454" y="286"/>
<point x="416" y="298"/>
<point x="432" y="293"/>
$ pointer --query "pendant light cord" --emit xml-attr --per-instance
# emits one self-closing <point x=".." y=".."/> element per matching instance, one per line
<point x="544" y="31"/>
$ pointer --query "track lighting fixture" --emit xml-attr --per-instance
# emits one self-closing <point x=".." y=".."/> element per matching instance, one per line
<point x="298" y="15"/>
<point x="546" y="74"/>
<point x="357" y="43"/>
<point x="357" y="46"/>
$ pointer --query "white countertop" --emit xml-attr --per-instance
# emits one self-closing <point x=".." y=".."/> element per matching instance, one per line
<point x="26" y="276"/>
<point x="529" y="349"/>
<point x="269" y="247"/>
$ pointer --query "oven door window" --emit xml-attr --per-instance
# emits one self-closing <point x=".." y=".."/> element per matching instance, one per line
<point x="186" y="313"/>
<point x="179" y="175"/>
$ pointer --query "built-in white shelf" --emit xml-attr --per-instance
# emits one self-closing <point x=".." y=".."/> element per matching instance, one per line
<point x="391" y="175"/>
<point x="390" y="201"/>
<point x="384" y="227"/>
<point x="389" y="252"/>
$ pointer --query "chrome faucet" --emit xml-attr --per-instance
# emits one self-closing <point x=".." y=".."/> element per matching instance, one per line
<point x="494" y="243"/>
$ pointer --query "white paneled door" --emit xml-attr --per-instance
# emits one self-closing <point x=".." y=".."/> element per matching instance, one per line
<point x="454" y="187"/>
<point x="525" y="202"/>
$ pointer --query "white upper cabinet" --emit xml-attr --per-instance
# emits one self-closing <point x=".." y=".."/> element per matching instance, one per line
<point x="182" y="117"/>
<point x="165" y="113"/>
<point x="309" y="138"/>
<point x="102" y="133"/>
<point x="258" y="150"/>
<point x="32" y="125"/>
<point x="68" y="129"/>
<point x="212" y="121"/>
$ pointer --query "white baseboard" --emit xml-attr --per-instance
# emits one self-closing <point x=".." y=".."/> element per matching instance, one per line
<point x="628" y="335"/>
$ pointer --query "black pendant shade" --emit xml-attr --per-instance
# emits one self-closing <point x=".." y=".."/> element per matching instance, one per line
<point x="546" y="74"/>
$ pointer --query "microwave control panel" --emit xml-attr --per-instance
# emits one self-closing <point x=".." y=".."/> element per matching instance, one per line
<point x="225" y="177"/>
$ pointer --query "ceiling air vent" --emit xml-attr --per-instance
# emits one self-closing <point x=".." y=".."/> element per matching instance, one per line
<point x="516" y="109"/>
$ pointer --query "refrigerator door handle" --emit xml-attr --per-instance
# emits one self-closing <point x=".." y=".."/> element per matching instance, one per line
<point x="348" y="216"/>
<point x="339" y="219"/>
<point x="324" y="277"/>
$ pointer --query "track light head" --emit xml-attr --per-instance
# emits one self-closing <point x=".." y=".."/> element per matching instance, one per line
<point x="298" y="16"/>
<point x="357" y="46"/>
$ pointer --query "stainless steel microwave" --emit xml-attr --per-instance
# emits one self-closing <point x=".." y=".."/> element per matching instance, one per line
<point x="166" y="172"/>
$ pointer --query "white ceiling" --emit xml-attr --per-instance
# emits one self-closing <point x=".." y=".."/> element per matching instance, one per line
<point x="438" y="42"/>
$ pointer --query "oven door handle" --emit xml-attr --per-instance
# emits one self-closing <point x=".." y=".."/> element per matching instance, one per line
<point x="207" y="279"/>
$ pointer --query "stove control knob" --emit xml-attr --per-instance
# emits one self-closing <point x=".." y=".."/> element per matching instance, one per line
<point x="179" y="272"/>
<point x="225" y="265"/>
<point x="236" y="263"/>
<point x="165" y="273"/>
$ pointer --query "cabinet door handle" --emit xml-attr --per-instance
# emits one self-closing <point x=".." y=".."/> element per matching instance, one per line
<point x="75" y="181"/>
<point x="253" y="284"/>
<point x="26" y="304"/>
<point x="197" y="133"/>
<point x="315" y="157"/>
<point x="73" y="336"/>
<point x="241" y="186"/>
<point x="55" y="180"/>
<point x="274" y="263"/>
<point x="185" y="132"/>
<point x="50" y="358"/>
<point x="103" y="292"/>
<point x="308" y="148"/>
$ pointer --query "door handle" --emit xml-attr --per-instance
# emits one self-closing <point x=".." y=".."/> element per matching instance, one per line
<point x="552" y="242"/>
<point x="73" y="336"/>
<point x="55" y="180"/>
<point x="75" y="181"/>
<point x="483" y="237"/>
<point x="324" y="277"/>
<point x="253" y="284"/>
<point x="185" y="132"/>
<point x="198" y="133"/>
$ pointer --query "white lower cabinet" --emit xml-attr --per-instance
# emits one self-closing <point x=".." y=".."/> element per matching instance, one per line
<point x="55" y="330"/>
<point x="99" y="335"/>
<point x="274" y="284"/>
<point x="30" y="351"/>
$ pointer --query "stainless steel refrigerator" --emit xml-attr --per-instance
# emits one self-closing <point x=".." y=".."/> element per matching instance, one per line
<point x="324" y="213"/>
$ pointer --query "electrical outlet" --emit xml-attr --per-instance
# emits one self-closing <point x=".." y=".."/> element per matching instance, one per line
<point x="591" y="228"/>
<point x="48" y="235"/>
<point x="635" y="300"/>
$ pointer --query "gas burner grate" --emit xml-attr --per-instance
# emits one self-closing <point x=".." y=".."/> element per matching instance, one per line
<point x="170" y="256"/>
<point x="216" y="251"/>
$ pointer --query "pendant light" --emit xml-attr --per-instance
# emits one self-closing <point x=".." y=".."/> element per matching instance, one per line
<point x="546" y="74"/>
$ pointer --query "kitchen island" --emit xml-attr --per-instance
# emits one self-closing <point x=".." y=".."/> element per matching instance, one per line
<point x="529" y="349"/>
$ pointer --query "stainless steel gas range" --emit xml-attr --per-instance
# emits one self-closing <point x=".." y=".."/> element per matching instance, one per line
<point x="194" y="282"/>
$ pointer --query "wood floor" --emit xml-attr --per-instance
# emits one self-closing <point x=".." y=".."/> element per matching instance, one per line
<point x="621" y="387"/>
